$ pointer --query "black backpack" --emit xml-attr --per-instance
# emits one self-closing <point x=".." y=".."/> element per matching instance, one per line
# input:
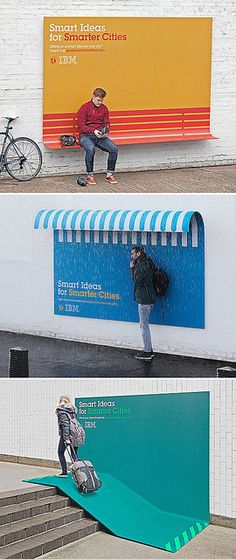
<point x="160" y="281"/>
<point x="67" y="140"/>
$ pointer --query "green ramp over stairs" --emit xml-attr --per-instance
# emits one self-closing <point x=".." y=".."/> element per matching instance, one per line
<point x="156" y="450"/>
<point x="128" y="515"/>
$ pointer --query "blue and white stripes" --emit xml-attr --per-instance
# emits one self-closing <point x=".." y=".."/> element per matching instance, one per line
<point x="163" y="221"/>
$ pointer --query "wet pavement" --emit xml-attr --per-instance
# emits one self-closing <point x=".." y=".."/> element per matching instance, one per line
<point x="50" y="357"/>
<point x="218" y="178"/>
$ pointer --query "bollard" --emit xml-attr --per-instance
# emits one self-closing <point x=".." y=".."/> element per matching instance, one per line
<point x="18" y="363"/>
<point x="226" y="372"/>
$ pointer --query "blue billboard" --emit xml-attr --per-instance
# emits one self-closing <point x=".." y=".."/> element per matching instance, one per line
<point x="92" y="275"/>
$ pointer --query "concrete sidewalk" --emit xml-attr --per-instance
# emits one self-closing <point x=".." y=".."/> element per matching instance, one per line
<point x="51" y="357"/>
<point x="200" y="179"/>
<point x="215" y="542"/>
<point x="11" y="475"/>
<point x="212" y="543"/>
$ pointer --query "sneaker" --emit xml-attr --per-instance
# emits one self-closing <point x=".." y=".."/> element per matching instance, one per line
<point x="91" y="180"/>
<point x="111" y="180"/>
<point x="144" y="355"/>
<point x="61" y="475"/>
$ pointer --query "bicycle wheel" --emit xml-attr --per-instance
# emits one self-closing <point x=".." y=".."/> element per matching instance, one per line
<point x="23" y="159"/>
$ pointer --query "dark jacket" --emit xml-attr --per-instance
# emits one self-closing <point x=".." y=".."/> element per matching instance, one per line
<point x="142" y="274"/>
<point x="64" y="412"/>
<point x="92" y="118"/>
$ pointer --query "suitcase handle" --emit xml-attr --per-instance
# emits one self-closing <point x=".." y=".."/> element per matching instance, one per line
<point x="68" y="448"/>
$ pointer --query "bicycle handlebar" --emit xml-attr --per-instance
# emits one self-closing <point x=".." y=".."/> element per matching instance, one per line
<point x="11" y="117"/>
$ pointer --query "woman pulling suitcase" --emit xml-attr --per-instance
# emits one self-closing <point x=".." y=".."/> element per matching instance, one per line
<point x="66" y="414"/>
<point x="72" y="435"/>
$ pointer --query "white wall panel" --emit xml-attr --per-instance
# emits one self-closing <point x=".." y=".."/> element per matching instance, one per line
<point x="26" y="279"/>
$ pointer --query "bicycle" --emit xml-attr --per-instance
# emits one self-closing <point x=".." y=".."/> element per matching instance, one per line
<point x="21" y="157"/>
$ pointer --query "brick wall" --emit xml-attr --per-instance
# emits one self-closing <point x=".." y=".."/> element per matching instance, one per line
<point x="21" y="84"/>
<point x="28" y="426"/>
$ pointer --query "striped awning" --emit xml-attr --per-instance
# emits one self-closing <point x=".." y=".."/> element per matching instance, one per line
<point x="168" y="221"/>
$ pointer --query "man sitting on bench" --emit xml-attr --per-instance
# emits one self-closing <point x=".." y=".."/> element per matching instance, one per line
<point x="94" y="124"/>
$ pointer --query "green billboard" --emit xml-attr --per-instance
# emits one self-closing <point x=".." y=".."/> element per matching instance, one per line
<point x="152" y="455"/>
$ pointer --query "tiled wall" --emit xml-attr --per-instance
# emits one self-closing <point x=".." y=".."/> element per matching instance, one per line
<point x="28" y="425"/>
<point x="22" y="78"/>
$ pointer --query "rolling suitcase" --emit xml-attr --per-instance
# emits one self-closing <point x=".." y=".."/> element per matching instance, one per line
<point x="84" y="475"/>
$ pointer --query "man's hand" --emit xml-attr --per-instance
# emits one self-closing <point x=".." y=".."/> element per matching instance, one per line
<point x="67" y="441"/>
<point x="103" y="133"/>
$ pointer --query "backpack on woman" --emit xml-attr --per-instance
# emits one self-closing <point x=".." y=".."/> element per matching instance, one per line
<point x="76" y="431"/>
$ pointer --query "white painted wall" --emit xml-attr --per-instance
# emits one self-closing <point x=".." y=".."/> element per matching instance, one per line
<point x="22" y="79"/>
<point x="26" y="279"/>
<point x="28" y="426"/>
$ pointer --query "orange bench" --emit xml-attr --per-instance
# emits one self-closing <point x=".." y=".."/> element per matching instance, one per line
<point x="136" y="127"/>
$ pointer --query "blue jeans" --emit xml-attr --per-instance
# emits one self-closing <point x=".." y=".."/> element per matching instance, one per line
<point x="61" y="454"/>
<point x="90" y="142"/>
<point x="144" y="314"/>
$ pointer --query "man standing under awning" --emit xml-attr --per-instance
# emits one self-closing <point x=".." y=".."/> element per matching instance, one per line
<point x="94" y="124"/>
<point x="142" y="273"/>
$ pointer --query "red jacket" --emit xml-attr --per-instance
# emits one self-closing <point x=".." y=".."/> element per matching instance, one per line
<point x="91" y="118"/>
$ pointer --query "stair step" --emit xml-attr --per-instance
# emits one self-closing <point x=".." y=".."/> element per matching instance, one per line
<point x="29" y="494"/>
<point x="12" y="513"/>
<point x="37" y="524"/>
<point x="48" y="541"/>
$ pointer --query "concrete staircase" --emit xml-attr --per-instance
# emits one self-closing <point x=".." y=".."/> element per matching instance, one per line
<point x="35" y="521"/>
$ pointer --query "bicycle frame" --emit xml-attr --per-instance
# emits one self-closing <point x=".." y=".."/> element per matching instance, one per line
<point x="8" y="136"/>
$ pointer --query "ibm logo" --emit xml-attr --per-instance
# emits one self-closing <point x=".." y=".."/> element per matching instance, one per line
<point x="68" y="59"/>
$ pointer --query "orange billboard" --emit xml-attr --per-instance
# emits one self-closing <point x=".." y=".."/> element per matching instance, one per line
<point x="156" y="71"/>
